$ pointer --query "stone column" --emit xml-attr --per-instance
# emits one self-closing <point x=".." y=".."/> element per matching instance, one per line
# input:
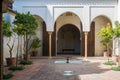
<point x="86" y="39"/>
<point x="50" y="46"/>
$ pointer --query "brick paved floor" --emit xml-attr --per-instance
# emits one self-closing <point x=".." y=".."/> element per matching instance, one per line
<point x="46" y="69"/>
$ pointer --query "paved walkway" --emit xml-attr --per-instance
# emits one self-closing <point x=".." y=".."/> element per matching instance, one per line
<point x="46" y="69"/>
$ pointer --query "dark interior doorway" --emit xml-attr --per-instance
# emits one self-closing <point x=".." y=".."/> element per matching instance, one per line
<point x="68" y="40"/>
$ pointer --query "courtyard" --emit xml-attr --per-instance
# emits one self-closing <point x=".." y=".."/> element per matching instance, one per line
<point x="46" y="69"/>
<point x="55" y="34"/>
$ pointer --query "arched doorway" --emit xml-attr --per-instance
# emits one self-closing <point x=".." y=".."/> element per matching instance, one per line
<point x="97" y="23"/>
<point x="68" y="40"/>
<point x="63" y="21"/>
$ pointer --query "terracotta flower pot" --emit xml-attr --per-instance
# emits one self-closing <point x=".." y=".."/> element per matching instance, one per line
<point x="105" y="53"/>
<point x="26" y="56"/>
<point x="115" y="58"/>
<point x="34" y="53"/>
<point x="11" y="61"/>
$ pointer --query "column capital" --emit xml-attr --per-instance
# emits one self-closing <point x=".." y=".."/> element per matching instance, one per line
<point x="86" y="33"/>
<point x="50" y="32"/>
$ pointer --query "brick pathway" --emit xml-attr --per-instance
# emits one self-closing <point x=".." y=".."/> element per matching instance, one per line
<point x="46" y="69"/>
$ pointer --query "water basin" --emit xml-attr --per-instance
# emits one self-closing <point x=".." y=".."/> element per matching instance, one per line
<point x="70" y="62"/>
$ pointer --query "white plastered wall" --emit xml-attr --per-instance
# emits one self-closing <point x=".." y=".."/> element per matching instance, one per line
<point x="108" y="11"/>
<point x="117" y="41"/>
<point x="39" y="33"/>
<point x="118" y="9"/>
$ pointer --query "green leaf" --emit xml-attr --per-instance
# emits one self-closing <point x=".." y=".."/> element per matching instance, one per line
<point x="106" y="33"/>
<point x="7" y="31"/>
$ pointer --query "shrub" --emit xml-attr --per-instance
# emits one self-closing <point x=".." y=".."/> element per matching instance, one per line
<point x="116" y="68"/>
<point x="7" y="76"/>
<point x="24" y="62"/>
<point x="16" y="68"/>
<point x="109" y="63"/>
<point x="36" y="43"/>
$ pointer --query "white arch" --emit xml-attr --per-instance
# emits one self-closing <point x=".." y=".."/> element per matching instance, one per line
<point x="105" y="16"/>
<point x="62" y="20"/>
<point x="70" y="24"/>
<point x="59" y="11"/>
<point x="37" y="16"/>
<point x="109" y="12"/>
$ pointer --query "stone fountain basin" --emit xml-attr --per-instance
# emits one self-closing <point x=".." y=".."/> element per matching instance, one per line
<point x="70" y="62"/>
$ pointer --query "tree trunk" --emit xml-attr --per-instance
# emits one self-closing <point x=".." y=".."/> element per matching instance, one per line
<point x="21" y="48"/>
<point x="27" y="46"/>
<point x="108" y="50"/>
<point x="17" y="52"/>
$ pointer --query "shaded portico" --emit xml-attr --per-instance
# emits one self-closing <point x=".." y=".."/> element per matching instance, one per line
<point x="68" y="40"/>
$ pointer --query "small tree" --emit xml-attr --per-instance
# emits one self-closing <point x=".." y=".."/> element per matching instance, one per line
<point x="7" y="32"/>
<point x="106" y="33"/>
<point x="36" y="43"/>
<point x="29" y="27"/>
<point x="18" y="30"/>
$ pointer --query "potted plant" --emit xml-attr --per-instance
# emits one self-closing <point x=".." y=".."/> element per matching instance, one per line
<point x="7" y="32"/>
<point x="104" y="43"/>
<point x="35" y="45"/>
<point x="29" y="27"/>
<point x="106" y="34"/>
